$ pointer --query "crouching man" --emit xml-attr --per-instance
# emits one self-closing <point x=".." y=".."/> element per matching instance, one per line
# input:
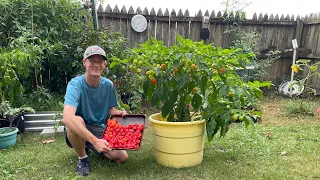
<point x="89" y="99"/>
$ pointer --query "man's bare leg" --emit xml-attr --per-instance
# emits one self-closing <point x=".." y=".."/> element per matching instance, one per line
<point x="118" y="156"/>
<point x="76" y="141"/>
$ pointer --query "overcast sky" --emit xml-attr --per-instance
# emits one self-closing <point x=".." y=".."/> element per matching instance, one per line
<point x="259" y="6"/>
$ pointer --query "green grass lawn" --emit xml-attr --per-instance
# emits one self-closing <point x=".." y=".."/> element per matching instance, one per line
<point x="279" y="147"/>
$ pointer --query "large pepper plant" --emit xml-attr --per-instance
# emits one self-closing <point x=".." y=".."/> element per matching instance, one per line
<point x="194" y="78"/>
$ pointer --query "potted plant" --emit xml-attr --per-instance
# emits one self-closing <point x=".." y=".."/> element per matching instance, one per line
<point x="8" y="134"/>
<point x="197" y="90"/>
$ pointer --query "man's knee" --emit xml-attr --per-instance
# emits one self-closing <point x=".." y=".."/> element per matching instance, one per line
<point x="123" y="158"/>
<point x="120" y="157"/>
<point x="70" y="133"/>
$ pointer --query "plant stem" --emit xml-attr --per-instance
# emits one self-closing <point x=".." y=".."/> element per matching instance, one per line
<point x="227" y="5"/>
<point x="194" y="113"/>
<point x="11" y="119"/>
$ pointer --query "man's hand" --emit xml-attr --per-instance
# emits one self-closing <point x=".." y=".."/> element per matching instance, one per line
<point x="114" y="111"/>
<point x="101" y="145"/>
<point x="123" y="113"/>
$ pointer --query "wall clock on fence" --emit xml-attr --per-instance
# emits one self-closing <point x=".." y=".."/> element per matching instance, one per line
<point x="139" y="23"/>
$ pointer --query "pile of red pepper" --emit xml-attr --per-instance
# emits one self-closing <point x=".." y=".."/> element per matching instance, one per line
<point x="123" y="137"/>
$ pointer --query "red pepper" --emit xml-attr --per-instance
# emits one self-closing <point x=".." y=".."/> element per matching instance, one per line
<point x="127" y="137"/>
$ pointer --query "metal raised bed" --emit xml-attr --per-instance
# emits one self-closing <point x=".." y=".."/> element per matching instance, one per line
<point x="41" y="120"/>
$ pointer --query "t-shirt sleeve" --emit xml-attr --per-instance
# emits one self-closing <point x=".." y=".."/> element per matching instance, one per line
<point x="113" y="97"/>
<point x="72" y="96"/>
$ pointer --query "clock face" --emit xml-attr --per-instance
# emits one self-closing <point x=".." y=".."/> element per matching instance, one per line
<point x="139" y="23"/>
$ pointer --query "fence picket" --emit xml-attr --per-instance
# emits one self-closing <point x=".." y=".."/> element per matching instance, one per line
<point x="173" y="29"/>
<point x="166" y="29"/>
<point x="206" y="13"/>
<point x="213" y="14"/>
<point x="254" y="16"/>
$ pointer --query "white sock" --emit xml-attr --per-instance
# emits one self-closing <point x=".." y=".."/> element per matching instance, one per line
<point x="83" y="157"/>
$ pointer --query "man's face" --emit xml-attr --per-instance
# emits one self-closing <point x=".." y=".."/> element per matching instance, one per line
<point x="94" y="65"/>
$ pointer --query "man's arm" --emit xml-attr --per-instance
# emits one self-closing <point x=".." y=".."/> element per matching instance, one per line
<point x="114" y="111"/>
<point x="71" y="121"/>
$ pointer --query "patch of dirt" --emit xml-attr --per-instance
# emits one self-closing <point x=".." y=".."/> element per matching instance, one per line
<point x="273" y="114"/>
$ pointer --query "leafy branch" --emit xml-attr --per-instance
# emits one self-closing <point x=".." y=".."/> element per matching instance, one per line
<point x="311" y="70"/>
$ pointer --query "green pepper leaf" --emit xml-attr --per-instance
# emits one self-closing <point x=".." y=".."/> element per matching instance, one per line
<point x="314" y="68"/>
<point x="113" y="64"/>
<point x="203" y="85"/>
<point x="211" y="126"/>
<point x="161" y="93"/>
<point x="196" y="101"/>
<point x="183" y="81"/>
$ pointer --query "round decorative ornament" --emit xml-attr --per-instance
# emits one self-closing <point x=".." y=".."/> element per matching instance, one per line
<point x="139" y="23"/>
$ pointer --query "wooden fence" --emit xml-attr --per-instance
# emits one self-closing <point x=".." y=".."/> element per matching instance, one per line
<point x="275" y="32"/>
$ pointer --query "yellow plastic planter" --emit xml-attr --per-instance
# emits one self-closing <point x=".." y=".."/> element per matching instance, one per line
<point x="177" y="144"/>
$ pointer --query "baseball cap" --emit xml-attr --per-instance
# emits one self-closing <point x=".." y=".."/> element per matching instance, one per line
<point x="92" y="50"/>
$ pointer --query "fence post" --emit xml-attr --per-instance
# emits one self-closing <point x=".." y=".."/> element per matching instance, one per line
<point x="94" y="14"/>
<point x="205" y="33"/>
<point x="298" y="34"/>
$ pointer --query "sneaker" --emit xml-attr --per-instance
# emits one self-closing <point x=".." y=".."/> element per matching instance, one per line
<point x="83" y="168"/>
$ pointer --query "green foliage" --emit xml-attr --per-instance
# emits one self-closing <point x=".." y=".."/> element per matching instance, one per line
<point x="13" y="64"/>
<point x="306" y="108"/>
<point x="49" y="38"/>
<point x="247" y="41"/>
<point x="57" y="117"/>
<point x="9" y="112"/>
<point x="45" y="19"/>
<point x="4" y="107"/>
<point x="235" y="5"/>
<point x="33" y="31"/>
<point x="42" y="99"/>
<point x="195" y="77"/>
<point x="260" y="66"/>
<point x="302" y="108"/>
<point x="129" y="89"/>
<point x="310" y="70"/>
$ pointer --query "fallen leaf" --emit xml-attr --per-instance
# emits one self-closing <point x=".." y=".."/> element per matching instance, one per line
<point x="284" y="153"/>
<point x="47" y="141"/>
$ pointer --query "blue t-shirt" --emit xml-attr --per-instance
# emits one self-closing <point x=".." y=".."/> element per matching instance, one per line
<point x="92" y="103"/>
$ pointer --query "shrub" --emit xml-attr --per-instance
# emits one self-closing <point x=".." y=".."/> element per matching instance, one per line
<point x="198" y="78"/>
<point x="46" y="40"/>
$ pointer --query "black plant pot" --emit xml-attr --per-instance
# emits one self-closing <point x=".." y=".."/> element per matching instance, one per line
<point x="17" y="122"/>
<point x="4" y="122"/>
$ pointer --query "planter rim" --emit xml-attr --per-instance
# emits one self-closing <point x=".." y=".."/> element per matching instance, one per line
<point x="10" y="133"/>
<point x="151" y="119"/>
